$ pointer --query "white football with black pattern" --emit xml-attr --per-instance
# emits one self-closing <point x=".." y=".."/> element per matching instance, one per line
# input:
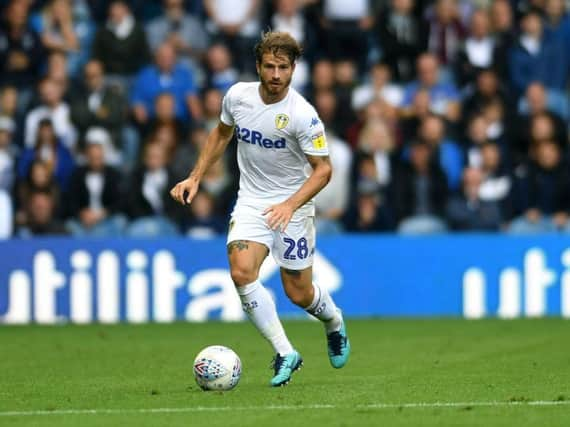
<point x="217" y="368"/>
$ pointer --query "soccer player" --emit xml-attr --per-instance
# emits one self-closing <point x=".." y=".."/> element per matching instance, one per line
<point x="279" y="136"/>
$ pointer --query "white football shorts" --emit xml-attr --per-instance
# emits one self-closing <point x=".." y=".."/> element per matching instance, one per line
<point x="292" y="249"/>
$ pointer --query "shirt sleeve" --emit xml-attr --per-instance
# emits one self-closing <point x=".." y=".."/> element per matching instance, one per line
<point x="226" y="116"/>
<point x="311" y="133"/>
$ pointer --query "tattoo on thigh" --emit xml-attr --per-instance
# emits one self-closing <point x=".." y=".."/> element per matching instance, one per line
<point x="292" y="272"/>
<point x="240" y="245"/>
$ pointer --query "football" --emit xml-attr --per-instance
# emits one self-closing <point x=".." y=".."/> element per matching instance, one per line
<point x="217" y="368"/>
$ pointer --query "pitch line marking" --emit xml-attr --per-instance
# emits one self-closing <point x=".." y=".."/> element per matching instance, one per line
<point x="409" y="405"/>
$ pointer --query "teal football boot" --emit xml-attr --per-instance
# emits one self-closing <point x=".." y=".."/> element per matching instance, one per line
<point x="284" y="366"/>
<point x="338" y="347"/>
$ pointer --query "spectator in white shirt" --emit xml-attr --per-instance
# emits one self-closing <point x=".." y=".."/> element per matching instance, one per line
<point x="53" y="107"/>
<point x="478" y="49"/>
<point x="378" y="88"/>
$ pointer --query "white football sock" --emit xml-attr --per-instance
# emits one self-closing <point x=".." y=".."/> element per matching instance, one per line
<point x="260" y="308"/>
<point x="324" y="309"/>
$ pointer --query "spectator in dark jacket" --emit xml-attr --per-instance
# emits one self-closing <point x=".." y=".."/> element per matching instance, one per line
<point x="467" y="211"/>
<point x="557" y="21"/>
<point x="537" y="58"/>
<point x="41" y="220"/>
<point x="346" y="27"/>
<point x="98" y="104"/>
<point x="548" y="192"/>
<point x="486" y="88"/>
<point x="40" y="178"/>
<point x="501" y="14"/>
<point x="370" y="211"/>
<point x="121" y="44"/>
<point x="420" y="193"/>
<point x="541" y="126"/>
<point x="154" y="212"/>
<point x="534" y="105"/>
<point x="94" y="197"/>
<point x="21" y="51"/>
<point x="402" y="36"/>
<point x="446" y="31"/>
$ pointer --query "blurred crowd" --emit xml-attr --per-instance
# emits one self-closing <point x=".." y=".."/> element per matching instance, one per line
<point x="441" y="115"/>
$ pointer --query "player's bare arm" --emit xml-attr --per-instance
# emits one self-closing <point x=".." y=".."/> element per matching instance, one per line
<point x="215" y="146"/>
<point x="281" y="213"/>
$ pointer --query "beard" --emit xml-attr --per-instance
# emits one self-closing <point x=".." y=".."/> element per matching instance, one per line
<point x="275" y="89"/>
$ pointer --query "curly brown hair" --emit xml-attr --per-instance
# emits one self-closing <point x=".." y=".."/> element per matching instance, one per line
<point x="278" y="43"/>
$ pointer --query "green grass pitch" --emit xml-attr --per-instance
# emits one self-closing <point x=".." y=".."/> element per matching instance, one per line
<point x="402" y="373"/>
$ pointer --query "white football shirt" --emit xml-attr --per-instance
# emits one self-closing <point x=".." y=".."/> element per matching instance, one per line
<point x="272" y="142"/>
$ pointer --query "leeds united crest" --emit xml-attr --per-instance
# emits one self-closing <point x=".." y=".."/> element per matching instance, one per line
<point x="281" y="121"/>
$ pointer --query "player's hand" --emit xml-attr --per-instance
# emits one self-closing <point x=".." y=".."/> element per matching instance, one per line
<point x="279" y="215"/>
<point x="188" y="186"/>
